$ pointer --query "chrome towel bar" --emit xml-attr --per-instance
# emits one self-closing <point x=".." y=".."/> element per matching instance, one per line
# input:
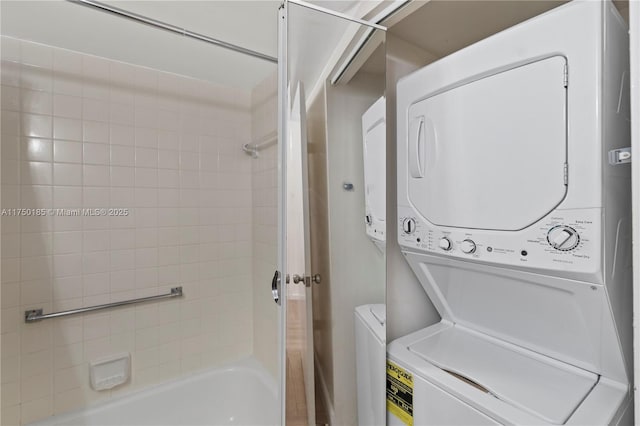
<point x="34" y="315"/>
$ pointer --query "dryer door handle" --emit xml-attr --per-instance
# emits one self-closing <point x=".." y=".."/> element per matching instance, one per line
<point x="416" y="148"/>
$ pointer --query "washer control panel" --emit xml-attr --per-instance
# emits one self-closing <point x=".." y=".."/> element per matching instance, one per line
<point x="564" y="240"/>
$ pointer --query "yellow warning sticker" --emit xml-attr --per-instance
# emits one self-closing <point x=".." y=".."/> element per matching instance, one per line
<point x="400" y="393"/>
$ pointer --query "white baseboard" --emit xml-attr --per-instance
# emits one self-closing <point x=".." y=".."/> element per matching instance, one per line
<point x="325" y="391"/>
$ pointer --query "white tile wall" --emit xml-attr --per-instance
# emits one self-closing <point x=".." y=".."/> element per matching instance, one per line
<point x="82" y="131"/>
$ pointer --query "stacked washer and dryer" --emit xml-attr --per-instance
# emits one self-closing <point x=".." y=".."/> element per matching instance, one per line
<point x="514" y="214"/>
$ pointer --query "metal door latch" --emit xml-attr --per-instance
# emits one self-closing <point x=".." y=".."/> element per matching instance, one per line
<point x="275" y="287"/>
<point x="304" y="279"/>
<point x="620" y="156"/>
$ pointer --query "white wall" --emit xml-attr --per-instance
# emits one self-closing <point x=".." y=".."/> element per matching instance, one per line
<point x="83" y="131"/>
<point x="408" y="306"/>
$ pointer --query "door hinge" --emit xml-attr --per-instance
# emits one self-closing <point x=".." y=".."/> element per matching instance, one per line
<point x="566" y="173"/>
<point x="566" y="75"/>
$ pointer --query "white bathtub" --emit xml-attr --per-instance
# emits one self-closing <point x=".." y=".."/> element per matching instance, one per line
<point x="239" y="394"/>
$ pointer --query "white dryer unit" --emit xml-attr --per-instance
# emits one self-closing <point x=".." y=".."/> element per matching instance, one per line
<point x="374" y="150"/>
<point x="513" y="213"/>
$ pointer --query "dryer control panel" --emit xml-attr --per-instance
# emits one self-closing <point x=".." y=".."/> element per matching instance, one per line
<point x="563" y="240"/>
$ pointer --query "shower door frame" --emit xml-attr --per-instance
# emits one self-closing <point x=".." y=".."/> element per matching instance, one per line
<point x="283" y="128"/>
<point x="284" y="105"/>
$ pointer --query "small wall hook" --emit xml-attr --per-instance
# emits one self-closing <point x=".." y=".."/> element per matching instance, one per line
<point x="347" y="186"/>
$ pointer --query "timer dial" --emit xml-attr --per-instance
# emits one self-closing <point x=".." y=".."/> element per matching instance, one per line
<point x="563" y="238"/>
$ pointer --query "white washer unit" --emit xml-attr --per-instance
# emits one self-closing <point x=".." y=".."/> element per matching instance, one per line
<point x="370" y="357"/>
<point x="514" y="218"/>
<point x="374" y="151"/>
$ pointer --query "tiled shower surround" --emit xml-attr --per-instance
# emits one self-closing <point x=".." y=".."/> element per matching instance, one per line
<point x="80" y="131"/>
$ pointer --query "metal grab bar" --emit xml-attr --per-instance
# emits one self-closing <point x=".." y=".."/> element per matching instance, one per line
<point x="34" y="315"/>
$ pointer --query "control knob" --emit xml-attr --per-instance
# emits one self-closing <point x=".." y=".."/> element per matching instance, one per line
<point x="468" y="246"/>
<point x="409" y="225"/>
<point x="563" y="238"/>
<point x="445" y="244"/>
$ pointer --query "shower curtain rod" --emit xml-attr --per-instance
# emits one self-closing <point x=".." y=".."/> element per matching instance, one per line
<point x="171" y="28"/>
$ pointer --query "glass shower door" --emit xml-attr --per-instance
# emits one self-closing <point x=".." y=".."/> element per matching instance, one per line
<point x="335" y="71"/>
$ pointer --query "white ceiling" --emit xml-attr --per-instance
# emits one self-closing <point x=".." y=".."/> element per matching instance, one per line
<point x="342" y="6"/>
<point x="250" y="24"/>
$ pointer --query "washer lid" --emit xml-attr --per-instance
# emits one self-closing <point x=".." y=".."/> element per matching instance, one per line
<point x="542" y="386"/>
<point x="491" y="153"/>
<point x="374" y="316"/>
<point x="379" y="311"/>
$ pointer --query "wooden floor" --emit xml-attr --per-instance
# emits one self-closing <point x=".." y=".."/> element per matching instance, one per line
<point x="322" y="416"/>
<point x="296" y="400"/>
